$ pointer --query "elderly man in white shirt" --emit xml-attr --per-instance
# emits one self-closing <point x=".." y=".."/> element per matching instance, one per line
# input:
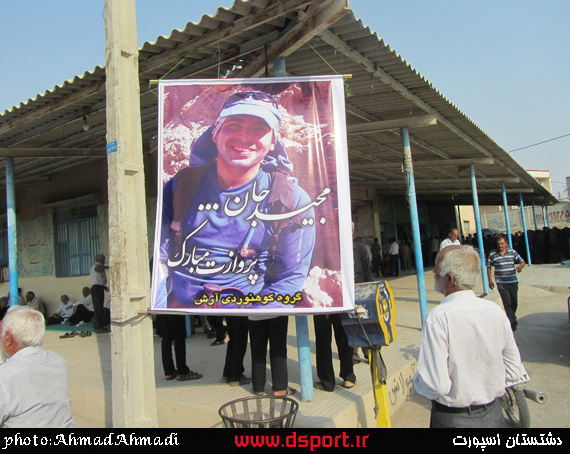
<point x="63" y="313"/>
<point x="84" y="310"/>
<point x="451" y="240"/>
<point x="34" y="386"/>
<point x="98" y="288"/>
<point x="467" y="351"/>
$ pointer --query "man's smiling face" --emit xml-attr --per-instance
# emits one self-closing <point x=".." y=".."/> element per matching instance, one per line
<point x="243" y="141"/>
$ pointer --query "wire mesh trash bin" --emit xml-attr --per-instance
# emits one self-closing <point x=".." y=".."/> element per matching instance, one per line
<point x="273" y="412"/>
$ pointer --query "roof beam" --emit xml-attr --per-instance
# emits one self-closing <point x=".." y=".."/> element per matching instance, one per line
<point x="319" y="17"/>
<point x="52" y="153"/>
<point x="446" y="181"/>
<point x="224" y="32"/>
<point x="430" y="163"/>
<point x="386" y="125"/>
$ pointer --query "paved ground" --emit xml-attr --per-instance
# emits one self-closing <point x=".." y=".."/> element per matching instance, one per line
<point x="543" y="336"/>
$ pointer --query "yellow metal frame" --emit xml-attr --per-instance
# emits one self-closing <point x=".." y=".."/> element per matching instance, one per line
<point x="382" y="408"/>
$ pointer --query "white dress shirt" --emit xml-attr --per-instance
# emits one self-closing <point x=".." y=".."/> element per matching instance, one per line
<point x="87" y="302"/>
<point x="98" y="277"/>
<point x="34" y="390"/>
<point x="448" y="242"/>
<point x="467" y="352"/>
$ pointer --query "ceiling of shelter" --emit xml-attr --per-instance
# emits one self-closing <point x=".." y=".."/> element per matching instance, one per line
<point x="66" y="125"/>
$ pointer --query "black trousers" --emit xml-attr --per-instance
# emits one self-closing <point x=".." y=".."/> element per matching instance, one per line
<point x="509" y="296"/>
<point x="81" y="314"/>
<point x="274" y="332"/>
<point x="237" y="347"/>
<point x="394" y="268"/>
<point x="324" y="325"/>
<point x="98" y="297"/>
<point x="217" y="322"/>
<point x="173" y="330"/>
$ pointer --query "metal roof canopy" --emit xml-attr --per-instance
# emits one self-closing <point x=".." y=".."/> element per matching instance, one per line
<point x="46" y="134"/>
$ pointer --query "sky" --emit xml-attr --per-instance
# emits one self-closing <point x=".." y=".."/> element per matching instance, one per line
<point x="504" y="64"/>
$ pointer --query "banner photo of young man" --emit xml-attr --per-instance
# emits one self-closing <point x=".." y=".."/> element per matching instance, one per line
<point x="253" y="205"/>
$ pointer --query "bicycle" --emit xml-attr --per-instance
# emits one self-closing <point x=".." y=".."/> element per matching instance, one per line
<point x="514" y="402"/>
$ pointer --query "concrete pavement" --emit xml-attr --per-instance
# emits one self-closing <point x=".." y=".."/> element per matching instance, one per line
<point x="543" y="337"/>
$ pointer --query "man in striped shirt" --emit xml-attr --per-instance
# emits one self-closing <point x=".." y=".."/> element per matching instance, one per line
<point x="504" y="260"/>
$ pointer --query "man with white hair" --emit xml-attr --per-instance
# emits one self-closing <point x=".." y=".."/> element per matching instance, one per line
<point x="467" y="351"/>
<point x="34" y="387"/>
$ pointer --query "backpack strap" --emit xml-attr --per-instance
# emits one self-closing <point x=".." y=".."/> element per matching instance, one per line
<point x="188" y="181"/>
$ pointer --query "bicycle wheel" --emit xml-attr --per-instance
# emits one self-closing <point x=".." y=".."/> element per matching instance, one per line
<point x="516" y="407"/>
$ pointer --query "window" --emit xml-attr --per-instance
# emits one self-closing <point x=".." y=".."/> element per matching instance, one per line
<point x="77" y="239"/>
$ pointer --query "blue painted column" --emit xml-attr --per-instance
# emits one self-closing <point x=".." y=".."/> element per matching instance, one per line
<point x="395" y="230"/>
<point x="534" y="215"/>
<point x="507" y="222"/>
<point x="301" y="321"/>
<point x="409" y="173"/>
<point x="479" y="230"/>
<point x="524" y="228"/>
<point x="12" y="237"/>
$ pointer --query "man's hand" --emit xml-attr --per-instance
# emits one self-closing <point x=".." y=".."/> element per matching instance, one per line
<point x="520" y="267"/>
<point x="491" y="285"/>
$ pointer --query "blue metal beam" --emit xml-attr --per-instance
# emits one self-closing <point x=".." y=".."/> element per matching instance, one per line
<point x="524" y="229"/>
<point x="507" y="222"/>
<point x="409" y="172"/>
<point x="301" y="321"/>
<point x="12" y="237"/>
<point x="479" y="230"/>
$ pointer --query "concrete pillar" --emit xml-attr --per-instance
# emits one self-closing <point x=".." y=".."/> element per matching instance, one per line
<point x="133" y="385"/>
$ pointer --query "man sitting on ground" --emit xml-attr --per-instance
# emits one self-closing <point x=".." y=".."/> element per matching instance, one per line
<point x="83" y="309"/>
<point x="34" y="386"/>
<point x="34" y="302"/>
<point x="63" y="313"/>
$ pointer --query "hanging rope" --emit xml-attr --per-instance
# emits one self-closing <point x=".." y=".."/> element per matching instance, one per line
<point x="156" y="81"/>
<point x="347" y="90"/>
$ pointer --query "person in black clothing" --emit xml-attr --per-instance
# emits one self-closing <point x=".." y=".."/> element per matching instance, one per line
<point x="172" y="329"/>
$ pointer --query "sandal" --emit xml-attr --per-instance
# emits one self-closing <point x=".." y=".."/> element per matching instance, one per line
<point x="290" y="392"/>
<point x="66" y="336"/>
<point x="189" y="376"/>
<point x="170" y="377"/>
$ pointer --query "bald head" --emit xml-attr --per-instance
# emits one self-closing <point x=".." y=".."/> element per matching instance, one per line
<point x="453" y="234"/>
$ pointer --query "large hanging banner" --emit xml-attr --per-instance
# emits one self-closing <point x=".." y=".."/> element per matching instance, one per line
<point x="253" y="211"/>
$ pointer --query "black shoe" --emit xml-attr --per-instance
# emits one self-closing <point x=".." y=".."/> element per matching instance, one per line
<point x="242" y="381"/>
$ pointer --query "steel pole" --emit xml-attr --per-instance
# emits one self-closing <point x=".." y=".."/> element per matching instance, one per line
<point x="524" y="228"/>
<point x="409" y="172"/>
<point x="534" y="215"/>
<point x="301" y="321"/>
<point x="479" y="230"/>
<point x="12" y="237"/>
<point x="507" y="222"/>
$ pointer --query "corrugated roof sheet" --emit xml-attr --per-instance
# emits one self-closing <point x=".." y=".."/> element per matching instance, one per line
<point x="383" y="85"/>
